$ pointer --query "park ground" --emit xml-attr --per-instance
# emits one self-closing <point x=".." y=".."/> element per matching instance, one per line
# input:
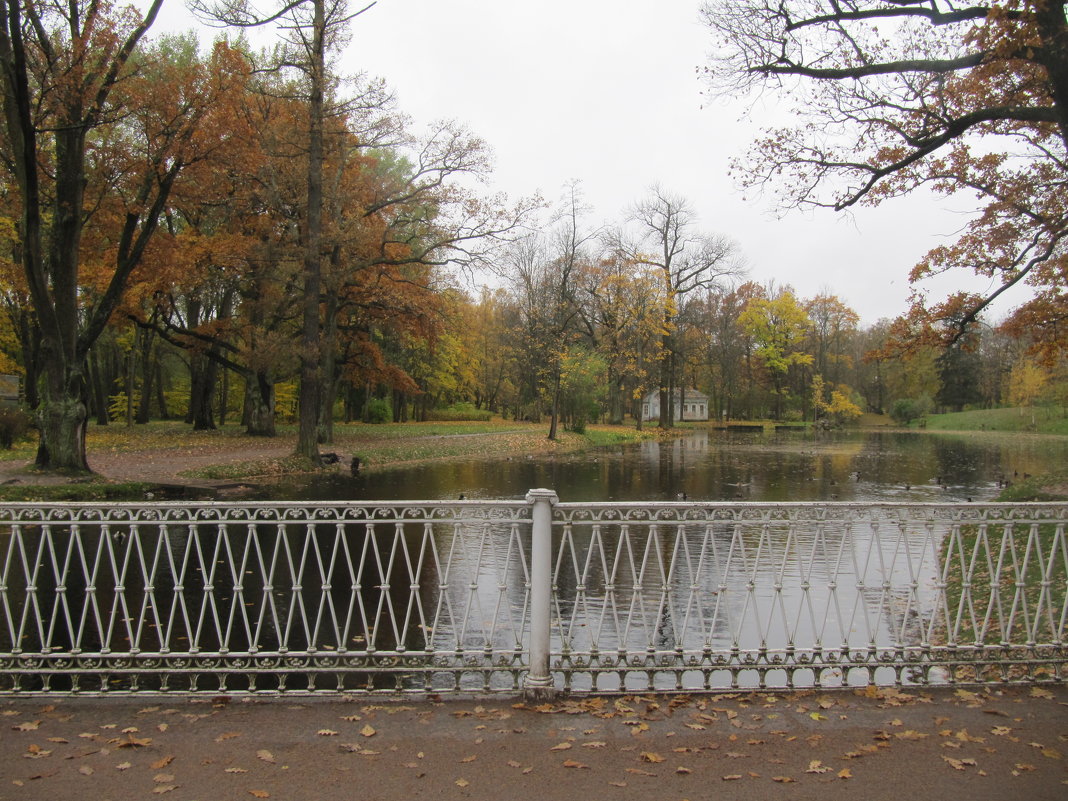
<point x="872" y="744"/>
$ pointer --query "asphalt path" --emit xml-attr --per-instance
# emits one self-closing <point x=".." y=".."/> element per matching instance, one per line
<point x="886" y="744"/>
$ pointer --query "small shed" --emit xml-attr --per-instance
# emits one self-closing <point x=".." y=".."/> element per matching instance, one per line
<point x="689" y="405"/>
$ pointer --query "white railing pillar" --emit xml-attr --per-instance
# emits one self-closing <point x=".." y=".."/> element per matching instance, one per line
<point x="538" y="685"/>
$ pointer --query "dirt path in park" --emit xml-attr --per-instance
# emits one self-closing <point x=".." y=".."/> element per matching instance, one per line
<point x="156" y="466"/>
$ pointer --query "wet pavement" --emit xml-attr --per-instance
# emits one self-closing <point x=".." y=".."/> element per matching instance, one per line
<point x="868" y="744"/>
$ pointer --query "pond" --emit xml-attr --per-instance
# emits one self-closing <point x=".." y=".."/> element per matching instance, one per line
<point x="712" y="465"/>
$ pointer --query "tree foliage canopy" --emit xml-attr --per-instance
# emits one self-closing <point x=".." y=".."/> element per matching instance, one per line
<point x="893" y="96"/>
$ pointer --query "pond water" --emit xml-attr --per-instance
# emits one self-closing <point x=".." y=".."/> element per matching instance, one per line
<point x="711" y="465"/>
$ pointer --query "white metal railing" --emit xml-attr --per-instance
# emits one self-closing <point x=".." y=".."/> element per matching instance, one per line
<point x="532" y="595"/>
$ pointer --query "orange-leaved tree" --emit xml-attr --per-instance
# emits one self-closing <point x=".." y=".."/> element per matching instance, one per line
<point x="894" y="96"/>
<point x="73" y="103"/>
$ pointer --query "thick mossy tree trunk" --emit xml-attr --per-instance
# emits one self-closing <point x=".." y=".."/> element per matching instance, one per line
<point x="62" y="416"/>
<point x="259" y="405"/>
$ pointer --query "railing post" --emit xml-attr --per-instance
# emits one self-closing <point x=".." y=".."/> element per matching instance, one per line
<point x="538" y="685"/>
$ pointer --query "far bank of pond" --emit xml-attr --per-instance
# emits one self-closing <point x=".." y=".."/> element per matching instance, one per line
<point x="717" y="465"/>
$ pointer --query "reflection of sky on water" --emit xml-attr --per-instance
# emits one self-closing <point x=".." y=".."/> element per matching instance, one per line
<point x="708" y="465"/>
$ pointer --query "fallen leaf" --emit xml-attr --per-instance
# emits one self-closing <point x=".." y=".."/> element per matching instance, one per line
<point x="471" y="758"/>
<point x="1038" y="692"/>
<point x="368" y="731"/>
<point x="682" y="771"/>
<point x="570" y="763"/>
<point x="594" y="744"/>
<point x="732" y="777"/>
<point x="59" y="740"/>
<point x="123" y="766"/>
<point x="817" y="716"/>
<point x="649" y="756"/>
<point x="956" y="764"/>
<point x="134" y="742"/>
<point x="909" y="734"/>
<point x="259" y="794"/>
<point x="163" y="778"/>
<point x="236" y="770"/>
<point x="561" y="747"/>
<point x="266" y="756"/>
<point x="85" y="770"/>
<point x="845" y="773"/>
<point x="618" y="784"/>
<point x="326" y="733"/>
<point x="816" y="766"/>
<point x="162" y="763"/>
<point x="29" y="725"/>
<point x="36" y="752"/>
<point x="352" y="718"/>
<point x="783" y="779"/>
<point x="159" y="789"/>
<point x="462" y="783"/>
<point x="1001" y="731"/>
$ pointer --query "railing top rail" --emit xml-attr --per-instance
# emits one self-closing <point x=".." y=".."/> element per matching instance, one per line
<point x="519" y="503"/>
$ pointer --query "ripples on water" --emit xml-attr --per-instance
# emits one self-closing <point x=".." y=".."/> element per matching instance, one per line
<point x="706" y="465"/>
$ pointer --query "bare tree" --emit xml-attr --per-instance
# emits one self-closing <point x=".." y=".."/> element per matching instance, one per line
<point x="687" y="260"/>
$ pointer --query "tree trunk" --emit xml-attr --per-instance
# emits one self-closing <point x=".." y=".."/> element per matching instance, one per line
<point x="329" y="371"/>
<point x="259" y="405"/>
<point x="202" y="394"/>
<point x="555" y="414"/>
<point x="97" y="395"/>
<point x="311" y="347"/>
<point x="62" y="416"/>
<point x="148" y="374"/>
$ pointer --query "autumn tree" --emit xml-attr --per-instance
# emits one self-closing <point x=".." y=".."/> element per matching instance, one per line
<point x="1026" y="384"/>
<point x="778" y="325"/>
<point x="73" y="104"/>
<point x="893" y="96"/>
<point x="621" y="305"/>
<point x="687" y="260"/>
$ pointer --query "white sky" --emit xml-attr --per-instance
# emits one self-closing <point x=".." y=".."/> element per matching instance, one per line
<point x="607" y="92"/>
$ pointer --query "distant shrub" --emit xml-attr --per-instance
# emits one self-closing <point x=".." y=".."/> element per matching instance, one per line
<point x="460" y="411"/>
<point x="379" y="411"/>
<point x="14" y="423"/>
<point x="905" y="410"/>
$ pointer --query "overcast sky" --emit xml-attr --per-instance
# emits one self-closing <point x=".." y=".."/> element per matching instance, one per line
<point x="607" y="92"/>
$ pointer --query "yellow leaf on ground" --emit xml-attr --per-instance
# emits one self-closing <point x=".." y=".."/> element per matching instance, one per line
<point x="649" y="756"/>
<point x="368" y="731"/>
<point x="845" y="773"/>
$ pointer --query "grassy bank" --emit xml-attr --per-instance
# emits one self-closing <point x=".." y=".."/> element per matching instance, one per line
<point x="1040" y="420"/>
